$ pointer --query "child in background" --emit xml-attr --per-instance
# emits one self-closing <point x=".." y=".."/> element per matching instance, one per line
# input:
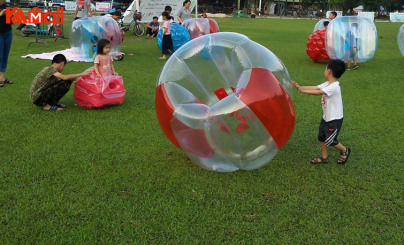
<point x="352" y="46"/>
<point x="103" y="61"/>
<point x="116" y="15"/>
<point x="167" y="45"/>
<point x="326" y="24"/>
<point x="204" y="14"/>
<point x="331" y="100"/>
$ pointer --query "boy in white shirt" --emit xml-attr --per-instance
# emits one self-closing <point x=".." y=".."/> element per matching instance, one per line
<point x="331" y="101"/>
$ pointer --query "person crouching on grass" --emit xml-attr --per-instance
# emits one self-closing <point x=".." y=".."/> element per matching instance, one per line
<point x="50" y="85"/>
<point x="331" y="100"/>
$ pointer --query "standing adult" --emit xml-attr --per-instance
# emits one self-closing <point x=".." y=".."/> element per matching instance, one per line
<point x="6" y="37"/>
<point x="185" y="12"/>
<point x="83" y="9"/>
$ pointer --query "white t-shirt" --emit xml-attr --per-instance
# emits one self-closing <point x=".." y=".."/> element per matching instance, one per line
<point x="160" y="20"/>
<point x="331" y="101"/>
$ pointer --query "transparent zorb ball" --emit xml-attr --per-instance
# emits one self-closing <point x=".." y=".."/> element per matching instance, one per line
<point x="226" y="102"/>
<point x="85" y="33"/>
<point x="351" y="37"/>
<point x="200" y="26"/>
<point x="320" y="25"/>
<point x="400" y="39"/>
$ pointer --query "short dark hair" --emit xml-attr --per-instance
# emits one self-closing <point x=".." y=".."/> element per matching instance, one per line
<point x="337" y="67"/>
<point x="155" y="17"/>
<point x="167" y="8"/>
<point x="326" y="23"/>
<point x="166" y="15"/>
<point x="185" y="2"/>
<point x="117" y="13"/>
<point x="334" y="13"/>
<point x="59" y="58"/>
<point x="101" y="44"/>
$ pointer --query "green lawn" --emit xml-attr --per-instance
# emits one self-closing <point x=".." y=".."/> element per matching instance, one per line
<point x="111" y="176"/>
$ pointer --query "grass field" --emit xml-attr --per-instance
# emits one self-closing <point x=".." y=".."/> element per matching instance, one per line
<point x="111" y="176"/>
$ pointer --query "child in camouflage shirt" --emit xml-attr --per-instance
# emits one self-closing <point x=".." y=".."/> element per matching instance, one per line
<point x="50" y="85"/>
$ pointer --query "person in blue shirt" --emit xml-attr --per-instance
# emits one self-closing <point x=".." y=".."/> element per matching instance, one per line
<point x="352" y="46"/>
<point x="152" y="28"/>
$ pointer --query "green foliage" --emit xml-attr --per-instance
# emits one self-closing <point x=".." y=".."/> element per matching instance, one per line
<point x="369" y="5"/>
<point x="110" y="176"/>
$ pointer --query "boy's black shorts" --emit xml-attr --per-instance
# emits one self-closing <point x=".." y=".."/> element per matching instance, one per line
<point x="328" y="131"/>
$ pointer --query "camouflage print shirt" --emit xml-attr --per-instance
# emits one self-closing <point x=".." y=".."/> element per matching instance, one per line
<point x="42" y="81"/>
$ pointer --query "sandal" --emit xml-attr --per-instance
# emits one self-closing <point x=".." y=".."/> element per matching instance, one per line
<point x="342" y="160"/>
<point x="7" y="81"/>
<point x="61" y="105"/>
<point x="54" y="108"/>
<point x="319" y="160"/>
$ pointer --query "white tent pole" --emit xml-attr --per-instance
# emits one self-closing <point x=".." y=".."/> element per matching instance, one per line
<point x="259" y="8"/>
<point x="137" y="5"/>
<point x="112" y="4"/>
<point x="196" y="9"/>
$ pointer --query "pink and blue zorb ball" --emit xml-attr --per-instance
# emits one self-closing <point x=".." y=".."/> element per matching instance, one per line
<point x="179" y="35"/>
<point x="351" y="37"/>
<point x="400" y="39"/>
<point x="226" y="102"/>
<point x="85" y="33"/>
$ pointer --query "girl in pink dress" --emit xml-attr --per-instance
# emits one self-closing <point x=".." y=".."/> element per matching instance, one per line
<point x="103" y="61"/>
<point x="167" y="45"/>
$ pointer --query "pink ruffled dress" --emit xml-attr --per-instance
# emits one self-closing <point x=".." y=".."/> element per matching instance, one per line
<point x="104" y="65"/>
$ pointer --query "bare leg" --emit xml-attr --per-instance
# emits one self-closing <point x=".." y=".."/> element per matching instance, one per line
<point x="341" y="148"/>
<point x="324" y="150"/>
<point x="349" y="64"/>
<point x="324" y="155"/>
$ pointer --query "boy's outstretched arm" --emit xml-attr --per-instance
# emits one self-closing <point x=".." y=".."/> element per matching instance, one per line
<point x="313" y="90"/>
<point x="71" y="76"/>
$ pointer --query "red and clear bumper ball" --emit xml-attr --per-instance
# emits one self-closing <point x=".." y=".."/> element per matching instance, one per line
<point x="225" y="100"/>
<point x="92" y="91"/>
<point x="201" y="26"/>
<point x="316" y="46"/>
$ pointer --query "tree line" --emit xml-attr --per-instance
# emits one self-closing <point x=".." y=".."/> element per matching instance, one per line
<point x="368" y="5"/>
<point x="344" y="5"/>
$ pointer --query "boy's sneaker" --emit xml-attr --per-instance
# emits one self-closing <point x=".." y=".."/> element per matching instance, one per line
<point x="355" y="67"/>
<point x="348" y="68"/>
